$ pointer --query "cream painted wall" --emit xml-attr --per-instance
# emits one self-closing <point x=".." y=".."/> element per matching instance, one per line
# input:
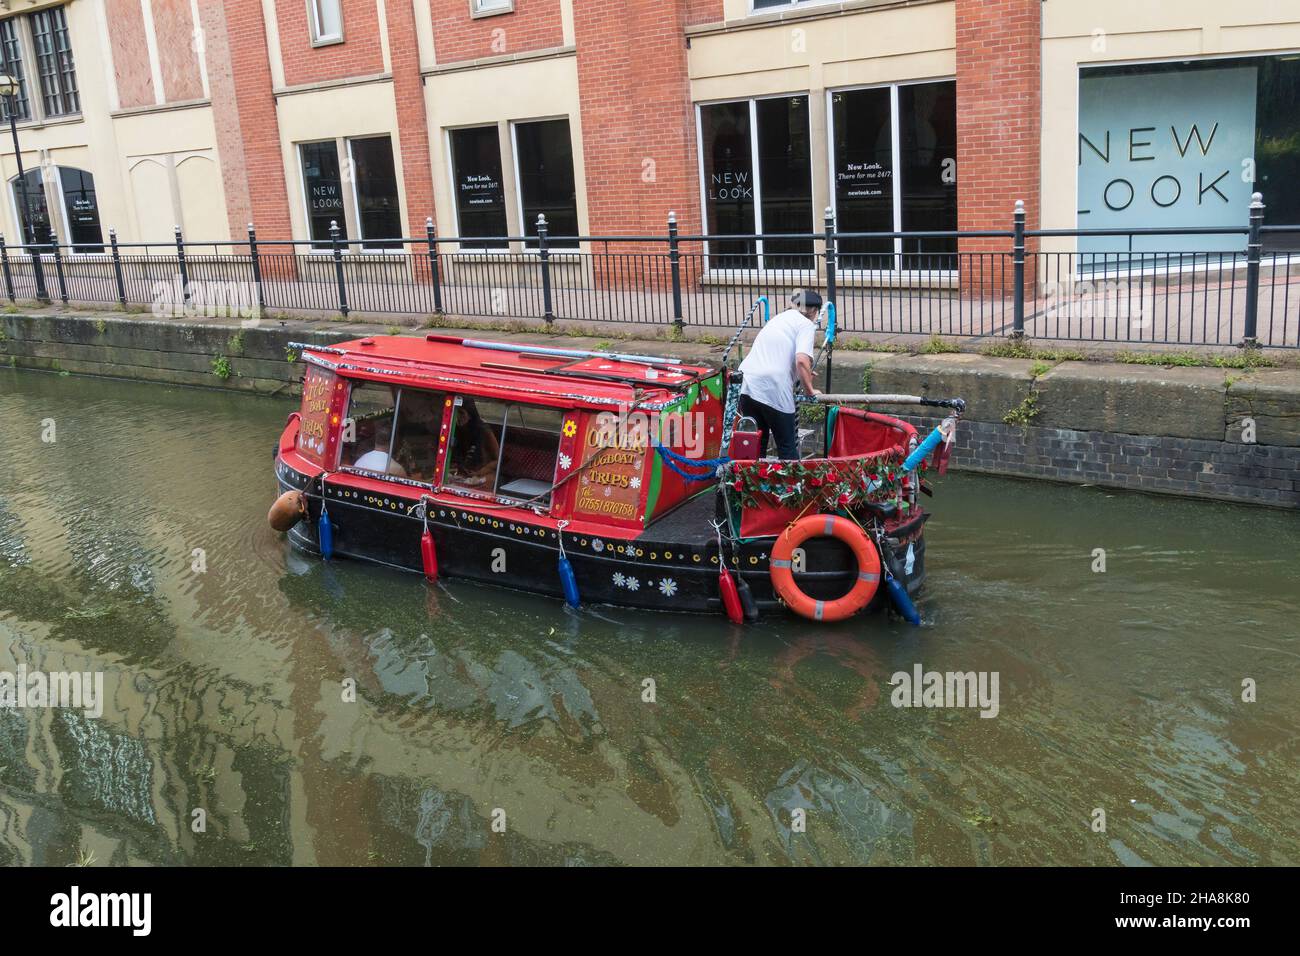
<point x="171" y="138"/>
<point x="110" y="144"/>
<point x="525" y="90"/>
<point x="334" y="113"/>
<point x="859" y="47"/>
<point x="1134" y="32"/>
<point x="156" y="215"/>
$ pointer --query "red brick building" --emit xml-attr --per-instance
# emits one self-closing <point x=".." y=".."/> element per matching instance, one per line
<point x="744" y="117"/>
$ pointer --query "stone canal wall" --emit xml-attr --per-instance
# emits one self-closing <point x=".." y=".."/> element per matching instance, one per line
<point x="1230" y="434"/>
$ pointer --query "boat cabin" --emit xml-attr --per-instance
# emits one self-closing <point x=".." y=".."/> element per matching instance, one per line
<point x="559" y="434"/>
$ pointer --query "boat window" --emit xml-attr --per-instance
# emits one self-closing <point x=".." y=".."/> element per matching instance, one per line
<point x="367" y="437"/>
<point x="506" y="449"/>
<point x="419" y="421"/>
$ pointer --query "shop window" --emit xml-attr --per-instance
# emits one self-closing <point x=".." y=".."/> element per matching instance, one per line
<point x="375" y="179"/>
<point x="367" y="436"/>
<point x="927" y="149"/>
<point x="507" y="450"/>
<point x="323" y="186"/>
<point x="73" y="192"/>
<point x="863" y="155"/>
<point x="82" y="209"/>
<point x="1185" y="145"/>
<point x="740" y="200"/>
<point x="544" y="158"/>
<point x="728" y="158"/>
<point x="894" y="162"/>
<point x="34" y="212"/>
<point x="371" y="203"/>
<point x="479" y="191"/>
<point x="785" y="181"/>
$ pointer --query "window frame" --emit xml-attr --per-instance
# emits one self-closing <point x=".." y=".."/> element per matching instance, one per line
<point x="65" y="92"/>
<point x="315" y="31"/>
<point x="23" y="96"/>
<point x="340" y="445"/>
<point x="351" y="213"/>
<point x="18" y="210"/>
<point x="362" y="241"/>
<point x="786" y="7"/>
<point x="66" y="232"/>
<point x="58" y="211"/>
<point x="896" y="158"/>
<point x="490" y="8"/>
<point x="759" y="265"/>
<point x="494" y="493"/>
<point x="1269" y="256"/>
<point x="33" y="87"/>
<point x="462" y="245"/>
<point x="519" y="186"/>
<point x="327" y="247"/>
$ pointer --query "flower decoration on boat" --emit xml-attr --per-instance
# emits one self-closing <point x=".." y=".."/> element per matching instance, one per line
<point x="570" y="428"/>
<point x="597" y="545"/>
<point x="634" y="483"/>
<point x="565" y="462"/>
<point x="667" y="587"/>
<point x="828" y="484"/>
<point x="633" y="584"/>
<point x="619" y="580"/>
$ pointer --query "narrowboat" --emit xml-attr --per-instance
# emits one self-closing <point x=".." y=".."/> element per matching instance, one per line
<point x="598" y="478"/>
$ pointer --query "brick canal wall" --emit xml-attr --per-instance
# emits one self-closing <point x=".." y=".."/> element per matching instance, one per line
<point x="1205" y="432"/>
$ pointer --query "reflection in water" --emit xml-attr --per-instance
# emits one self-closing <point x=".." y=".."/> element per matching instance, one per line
<point x="493" y="727"/>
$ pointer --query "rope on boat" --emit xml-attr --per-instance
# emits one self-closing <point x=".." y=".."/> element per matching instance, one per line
<point x="767" y="312"/>
<point x="677" y="463"/>
<point x="729" y="414"/>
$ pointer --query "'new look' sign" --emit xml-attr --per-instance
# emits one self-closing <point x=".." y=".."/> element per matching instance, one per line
<point x="1166" y="150"/>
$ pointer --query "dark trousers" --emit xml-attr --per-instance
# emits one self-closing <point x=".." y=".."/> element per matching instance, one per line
<point x="771" y="421"/>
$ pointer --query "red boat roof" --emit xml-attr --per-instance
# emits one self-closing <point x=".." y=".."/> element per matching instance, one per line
<point x="506" y="370"/>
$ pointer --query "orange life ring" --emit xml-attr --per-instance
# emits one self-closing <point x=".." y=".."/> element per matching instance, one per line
<point x="819" y="526"/>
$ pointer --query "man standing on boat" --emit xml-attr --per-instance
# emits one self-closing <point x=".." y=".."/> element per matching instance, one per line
<point x="782" y="351"/>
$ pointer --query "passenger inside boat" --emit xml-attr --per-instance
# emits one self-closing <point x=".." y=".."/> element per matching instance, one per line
<point x="368" y="432"/>
<point x="508" y="449"/>
<point x="377" y="458"/>
<point x="475" y="448"/>
<point x="419" y="421"/>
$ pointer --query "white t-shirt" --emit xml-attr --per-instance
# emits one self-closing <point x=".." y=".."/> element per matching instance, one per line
<point x="378" y="461"/>
<point x="769" y="367"/>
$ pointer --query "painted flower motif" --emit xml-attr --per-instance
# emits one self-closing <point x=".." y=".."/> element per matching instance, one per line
<point x="634" y="484"/>
<point x="565" y="462"/>
<point x="570" y="428"/>
<point x="608" y="491"/>
<point x="667" y="587"/>
<point x="633" y="584"/>
<point x="597" y="545"/>
<point x="619" y="580"/>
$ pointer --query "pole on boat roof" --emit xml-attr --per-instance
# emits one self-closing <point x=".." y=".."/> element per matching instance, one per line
<point x="558" y="353"/>
<point x="889" y="399"/>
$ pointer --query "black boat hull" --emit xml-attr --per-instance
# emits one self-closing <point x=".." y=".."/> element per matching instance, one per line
<point x="639" y="573"/>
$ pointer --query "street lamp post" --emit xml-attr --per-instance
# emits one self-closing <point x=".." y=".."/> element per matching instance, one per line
<point x="9" y="92"/>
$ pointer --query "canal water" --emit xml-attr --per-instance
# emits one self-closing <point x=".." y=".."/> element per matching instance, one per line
<point x="492" y="727"/>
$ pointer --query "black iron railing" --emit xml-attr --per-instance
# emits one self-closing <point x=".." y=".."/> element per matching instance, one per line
<point x="1188" y="286"/>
